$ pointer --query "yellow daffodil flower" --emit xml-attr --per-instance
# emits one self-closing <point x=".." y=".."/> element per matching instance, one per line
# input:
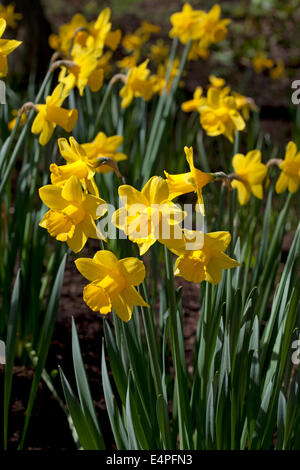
<point x="207" y="262"/>
<point x="103" y="146"/>
<point x="100" y="29"/>
<point x="219" y="115"/>
<point x="132" y="42"/>
<point x="196" y="51"/>
<point x="212" y="29"/>
<point x="72" y="213"/>
<point x="244" y="104"/>
<point x="78" y="164"/>
<point x="260" y="62"/>
<point x="95" y="33"/>
<point x="137" y="85"/>
<point x="186" y="24"/>
<point x="193" y="181"/>
<point x="85" y="71"/>
<point x="51" y="114"/>
<point x="159" y="51"/>
<point x="251" y="172"/>
<point x="65" y="37"/>
<point x="194" y="104"/>
<point x="7" y="46"/>
<point x="158" y="80"/>
<point x="112" y="283"/>
<point x="290" y="170"/>
<point x="149" y="215"/>
<point x="9" y="15"/>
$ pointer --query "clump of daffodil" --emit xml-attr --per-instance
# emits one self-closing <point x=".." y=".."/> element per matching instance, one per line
<point x="72" y="213"/>
<point x="9" y="15"/>
<point x="249" y="175"/>
<point x="136" y="84"/>
<point x="80" y="46"/>
<point x="84" y="160"/>
<point x="207" y="261"/>
<point x="80" y="32"/>
<point x="7" y="46"/>
<point x="193" y="181"/>
<point x="261" y="62"/>
<point x="51" y="114"/>
<point x="104" y="146"/>
<point x="290" y="170"/>
<point x="219" y="114"/>
<point x="149" y="215"/>
<point x="203" y="28"/>
<point x="112" y="283"/>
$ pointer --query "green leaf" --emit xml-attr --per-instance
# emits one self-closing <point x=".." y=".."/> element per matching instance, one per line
<point x="10" y="352"/>
<point x="117" y="425"/>
<point x="45" y="340"/>
<point x="84" y="390"/>
<point x="82" y="426"/>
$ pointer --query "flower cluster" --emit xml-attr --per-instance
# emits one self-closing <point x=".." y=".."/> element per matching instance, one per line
<point x="200" y="27"/>
<point x="148" y="215"/>
<point x="220" y="112"/>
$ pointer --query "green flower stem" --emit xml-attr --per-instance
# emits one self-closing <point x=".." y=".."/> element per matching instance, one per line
<point x="159" y="109"/>
<point x="182" y="399"/>
<point x="100" y="110"/>
<point x="22" y="136"/>
<point x="236" y="143"/>
<point x="154" y="146"/>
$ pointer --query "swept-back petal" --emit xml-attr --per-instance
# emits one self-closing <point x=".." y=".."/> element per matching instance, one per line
<point x="51" y="197"/>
